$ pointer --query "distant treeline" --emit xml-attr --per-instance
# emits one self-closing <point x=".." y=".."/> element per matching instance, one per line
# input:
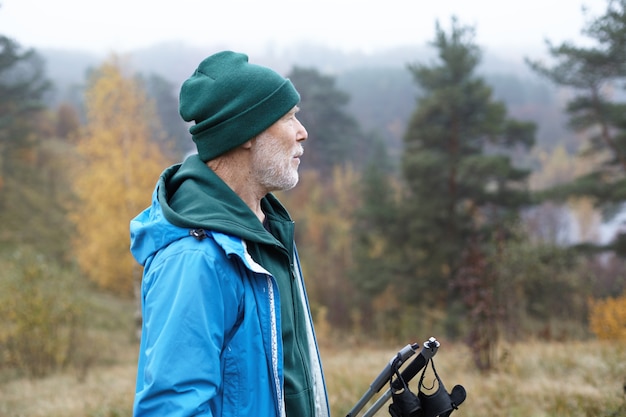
<point x="381" y="93"/>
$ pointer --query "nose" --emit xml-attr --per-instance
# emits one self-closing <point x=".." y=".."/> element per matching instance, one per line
<point x="301" y="134"/>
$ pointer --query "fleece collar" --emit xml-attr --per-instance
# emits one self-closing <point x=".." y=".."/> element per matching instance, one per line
<point x="191" y="195"/>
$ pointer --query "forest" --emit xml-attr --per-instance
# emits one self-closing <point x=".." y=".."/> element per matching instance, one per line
<point x="486" y="204"/>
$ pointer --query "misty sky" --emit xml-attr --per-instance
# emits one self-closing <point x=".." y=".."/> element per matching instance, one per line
<point x="365" y="25"/>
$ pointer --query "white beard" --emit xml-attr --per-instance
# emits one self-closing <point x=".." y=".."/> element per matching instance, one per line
<point x="274" y="166"/>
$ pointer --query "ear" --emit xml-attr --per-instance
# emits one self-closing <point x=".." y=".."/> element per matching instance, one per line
<point x="247" y="145"/>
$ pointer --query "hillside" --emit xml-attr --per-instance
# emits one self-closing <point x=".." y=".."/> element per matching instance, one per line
<point x="382" y="92"/>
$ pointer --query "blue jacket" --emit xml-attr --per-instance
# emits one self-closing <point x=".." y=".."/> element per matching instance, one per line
<point x="210" y="311"/>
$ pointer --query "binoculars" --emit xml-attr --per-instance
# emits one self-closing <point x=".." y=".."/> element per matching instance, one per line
<point x="439" y="403"/>
<point x="428" y="402"/>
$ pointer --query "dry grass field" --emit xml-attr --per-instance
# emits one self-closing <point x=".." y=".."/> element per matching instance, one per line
<point x="533" y="380"/>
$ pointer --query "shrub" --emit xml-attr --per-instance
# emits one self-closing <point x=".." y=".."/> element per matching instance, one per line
<point x="607" y="318"/>
<point x="42" y="315"/>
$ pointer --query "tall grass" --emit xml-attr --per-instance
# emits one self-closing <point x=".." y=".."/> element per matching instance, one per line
<point x="533" y="380"/>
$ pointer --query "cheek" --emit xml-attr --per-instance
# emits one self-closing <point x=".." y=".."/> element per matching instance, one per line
<point x="286" y="144"/>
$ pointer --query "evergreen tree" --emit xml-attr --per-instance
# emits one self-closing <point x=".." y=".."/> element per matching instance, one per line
<point x="22" y="88"/>
<point x="375" y="219"/>
<point x="462" y="188"/>
<point x="596" y="74"/>
<point x="33" y="180"/>
<point x="334" y="135"/>
<point x="460" y="179"/>
<point x="374" y="247"/>
<point x="171" y="131"/>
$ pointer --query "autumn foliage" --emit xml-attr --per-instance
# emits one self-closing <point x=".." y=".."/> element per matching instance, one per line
<point x="118" y="167"/>
<point x="323" y="212"/>
<point x="607" y="318"/>
<point x="43" y="327"/>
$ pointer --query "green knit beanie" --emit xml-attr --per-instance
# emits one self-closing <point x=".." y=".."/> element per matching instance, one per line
<point x="232" y="101"/>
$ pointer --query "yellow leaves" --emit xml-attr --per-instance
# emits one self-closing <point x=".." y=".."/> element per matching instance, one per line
<point x="324" y="213"/>
<point x="607" y="318"/>
<point x="558" y="167"/>
<point x="118" y="168"/>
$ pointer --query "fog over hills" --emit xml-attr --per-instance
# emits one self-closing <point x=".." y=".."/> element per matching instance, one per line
<point x="381" y="88"/>
<point x="176" y="60"/>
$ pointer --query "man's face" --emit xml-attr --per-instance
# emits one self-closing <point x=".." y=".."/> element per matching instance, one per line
<point x="276" y="153"/>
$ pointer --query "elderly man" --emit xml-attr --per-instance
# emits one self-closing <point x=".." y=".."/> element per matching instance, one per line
<point x="227" y="329"/>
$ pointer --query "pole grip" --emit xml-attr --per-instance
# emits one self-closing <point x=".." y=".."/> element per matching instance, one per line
<point x="383" y="378"/>
<point x="428" y="351"/>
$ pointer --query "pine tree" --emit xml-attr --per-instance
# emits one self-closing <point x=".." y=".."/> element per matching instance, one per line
<point x="33" y="181"/>
<point x="460" y="178"/>
<point x="596" y="75"/>
<point x="462" y="188"/>
<point x="172" y="131"/>
<point x="23" y="85"/>
<point x="375" y="219"/>
<point x="334" y="135"/>
<point x="119" y="166"/>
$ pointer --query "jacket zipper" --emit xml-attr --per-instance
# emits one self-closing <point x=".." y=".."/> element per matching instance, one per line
<point x="274" y="331"/>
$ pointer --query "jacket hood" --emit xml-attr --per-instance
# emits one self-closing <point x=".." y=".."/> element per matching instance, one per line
<point x="191" y="196"/>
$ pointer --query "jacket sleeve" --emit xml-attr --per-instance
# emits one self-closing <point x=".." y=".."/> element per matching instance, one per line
<point x="190" y="300"/>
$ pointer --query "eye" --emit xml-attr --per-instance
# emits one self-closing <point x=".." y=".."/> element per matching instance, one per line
<point x="291" y="115"/>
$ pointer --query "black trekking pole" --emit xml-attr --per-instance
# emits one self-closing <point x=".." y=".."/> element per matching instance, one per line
<point x="429" y="349"/>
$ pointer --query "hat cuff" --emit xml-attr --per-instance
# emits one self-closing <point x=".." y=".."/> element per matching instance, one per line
<point x="244" y="126"/>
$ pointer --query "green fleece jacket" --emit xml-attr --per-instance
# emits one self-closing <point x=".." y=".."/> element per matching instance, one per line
<point x="199" y="199"/>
